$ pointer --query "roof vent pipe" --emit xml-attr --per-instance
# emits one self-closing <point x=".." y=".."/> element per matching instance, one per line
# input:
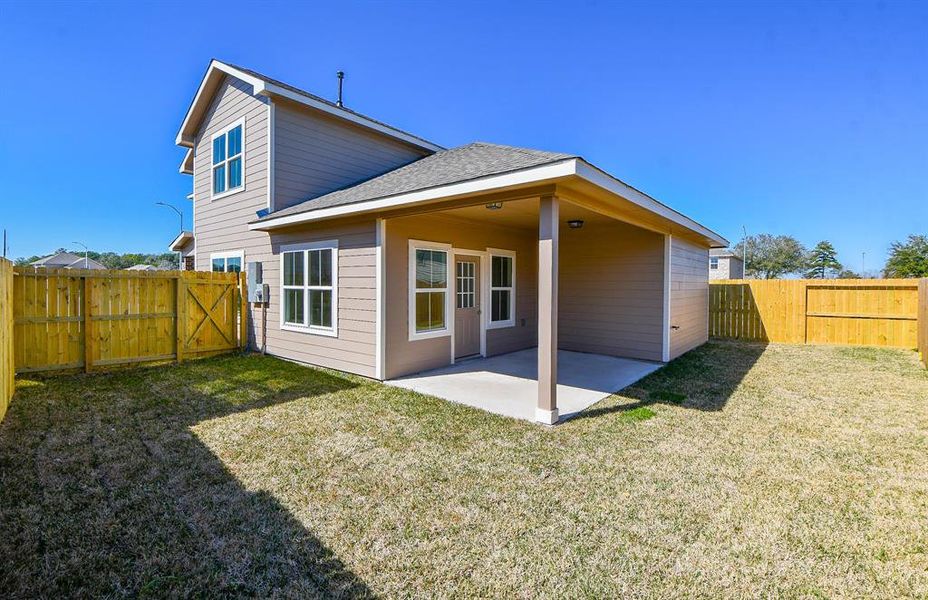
<point x="341" y="79"/>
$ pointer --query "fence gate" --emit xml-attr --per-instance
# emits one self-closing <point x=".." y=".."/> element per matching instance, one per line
<point x="88" y="319"/>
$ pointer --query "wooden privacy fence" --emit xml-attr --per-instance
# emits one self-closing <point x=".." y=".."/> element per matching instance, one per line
<point x="7" y="373"/>
<point x="89" y="319"/>
<point x="858" y="312"/>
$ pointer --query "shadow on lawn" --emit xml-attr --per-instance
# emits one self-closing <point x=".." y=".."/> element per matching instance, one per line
<point x="104" y="490"/>
<point x="702" y="379"/>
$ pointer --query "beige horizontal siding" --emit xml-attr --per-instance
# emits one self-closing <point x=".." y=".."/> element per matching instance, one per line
<point x="610" y="297"/>
<point x="315" y="154"/>
<point x="404" y="356"/>
<point x="689" y="296"/>
<point x="221" y="225"/>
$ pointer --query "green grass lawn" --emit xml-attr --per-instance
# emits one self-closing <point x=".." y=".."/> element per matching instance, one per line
<point x="736" y="471"/>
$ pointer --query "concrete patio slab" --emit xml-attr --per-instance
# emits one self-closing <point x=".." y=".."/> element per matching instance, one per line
<point x="506" y="384"/>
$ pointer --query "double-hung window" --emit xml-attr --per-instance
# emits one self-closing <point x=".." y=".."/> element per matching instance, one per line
<point x="309" y="287"/>
<point x="227" y="262"/>
<point x="229" y="160"/>
<point x="713" y="262"/>
<point x="502" y="288"/>
<point x="429" y="297"/>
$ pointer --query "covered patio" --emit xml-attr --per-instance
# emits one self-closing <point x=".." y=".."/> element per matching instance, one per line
<point x="507" y="384"/>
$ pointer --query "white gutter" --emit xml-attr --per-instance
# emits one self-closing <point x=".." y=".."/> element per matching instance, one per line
<point x="570" y="167"/>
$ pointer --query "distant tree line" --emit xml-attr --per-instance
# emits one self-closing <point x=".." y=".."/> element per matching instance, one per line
<point x="112" y="260"/>
<point x="772" y="256"/>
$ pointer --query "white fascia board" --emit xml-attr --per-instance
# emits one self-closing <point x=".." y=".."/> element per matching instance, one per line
<point x="214" y="67"/>
<point x="180" y="241"/>
<point x="532" y="175"/>
<point x="186" y="165"/>
<point x="270" y="88"/>
<point x="607" y="182"/>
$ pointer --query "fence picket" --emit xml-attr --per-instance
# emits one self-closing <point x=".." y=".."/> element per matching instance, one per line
<point x="70" y="319"/>
<point x="875" y="312"/>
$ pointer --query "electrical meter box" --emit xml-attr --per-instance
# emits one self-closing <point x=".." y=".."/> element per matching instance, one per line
<point x="258" y="291"/>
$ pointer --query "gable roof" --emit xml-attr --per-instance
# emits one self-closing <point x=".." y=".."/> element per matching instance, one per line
<point x="266" y="86"/>
<point x="60" y="259"/>
<point x="472" y="168"/>
<point x="723" y="253"/>
<point x="442" y="168"/>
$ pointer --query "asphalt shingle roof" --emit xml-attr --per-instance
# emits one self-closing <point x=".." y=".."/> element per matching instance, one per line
<point x="446" y="167"/>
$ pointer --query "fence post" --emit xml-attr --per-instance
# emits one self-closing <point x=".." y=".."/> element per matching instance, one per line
<point x="88" y="324"/>
<point x="243" y="295"/>
<point x="180" y="316"/>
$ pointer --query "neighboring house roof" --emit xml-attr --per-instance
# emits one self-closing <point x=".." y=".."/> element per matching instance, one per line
<point x="87" y="263"/>
<point x="142" y="268"/>
<point x="181" y="241"/>
<point x="723" y="253"/>
<point x="466" y="169"/>
<point x="266" y="86"/>
<point x="62" y="259"/>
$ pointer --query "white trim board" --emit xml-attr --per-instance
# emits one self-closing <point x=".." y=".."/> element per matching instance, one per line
<point x="264" y="88"/>
<point x="574" y="167"/>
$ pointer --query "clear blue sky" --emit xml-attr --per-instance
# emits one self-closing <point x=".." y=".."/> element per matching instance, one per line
<point x="809" y="119"/>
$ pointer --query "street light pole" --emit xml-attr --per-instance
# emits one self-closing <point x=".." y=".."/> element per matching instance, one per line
<point x="86" y="260"/>
<point x="180" y="255"/>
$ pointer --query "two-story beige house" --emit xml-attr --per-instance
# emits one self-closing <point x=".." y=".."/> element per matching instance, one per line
<point x="387" y="254"/>
<point x="725" y="264"/>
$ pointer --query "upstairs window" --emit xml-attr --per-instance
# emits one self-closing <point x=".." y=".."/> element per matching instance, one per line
<point x="229" y="160"/>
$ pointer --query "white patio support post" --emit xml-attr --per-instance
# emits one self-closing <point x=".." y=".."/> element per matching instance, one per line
<point x="546" y="411"/>
<point x="668" y="275"/>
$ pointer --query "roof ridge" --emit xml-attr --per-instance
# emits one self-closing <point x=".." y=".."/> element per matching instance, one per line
<point x="319" y="98"/>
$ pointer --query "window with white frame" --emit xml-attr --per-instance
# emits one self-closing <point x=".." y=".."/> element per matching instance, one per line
<point x="502" y="288"/>
<point x="309" y="296"/>
<point x="227" y="262"/>
<point x="428" y="287"/>
<point x="229" y="160"/>
<point x="713" y="262"/>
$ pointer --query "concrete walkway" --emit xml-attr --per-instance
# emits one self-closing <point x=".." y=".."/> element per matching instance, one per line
<point x="506" y="384"/>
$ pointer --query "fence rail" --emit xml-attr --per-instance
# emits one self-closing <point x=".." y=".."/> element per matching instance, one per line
<point x="7" y="369"/>
<point x="858" y="312"/>
<point x="90" y="319"/>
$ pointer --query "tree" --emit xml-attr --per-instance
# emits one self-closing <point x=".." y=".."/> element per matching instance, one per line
<point x="771" y="256"/>
<point x="821" y="259"/>
<point x="908" y="259"/>
<point x="847" y="274"/>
